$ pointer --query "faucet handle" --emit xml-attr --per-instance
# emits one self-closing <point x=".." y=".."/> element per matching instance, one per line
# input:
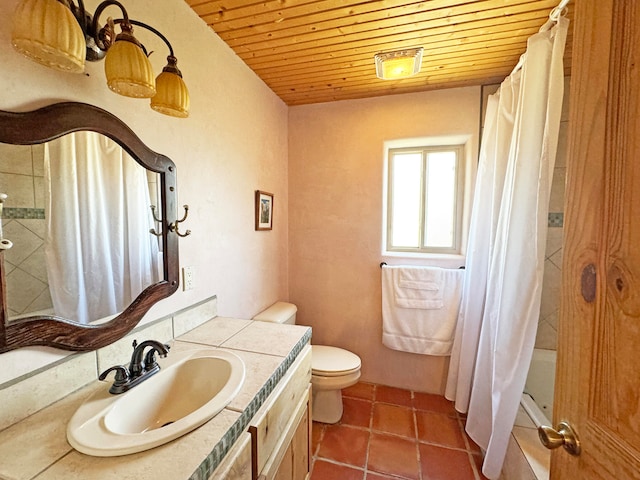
<point x="122" y="375"/>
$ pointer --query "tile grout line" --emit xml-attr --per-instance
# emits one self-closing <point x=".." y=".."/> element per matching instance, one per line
<point x="370" y="430"/>
<point x="342" y="464"/>
<point x="470" y="454"/>
<point x="417" y="435"/>
<point x="474" y="467"/>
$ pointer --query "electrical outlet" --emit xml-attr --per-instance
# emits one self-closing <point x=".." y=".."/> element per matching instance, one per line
<point x="187" y="278"/>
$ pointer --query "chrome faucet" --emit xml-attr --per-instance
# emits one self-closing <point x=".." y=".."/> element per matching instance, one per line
<point x="140" y="367"/>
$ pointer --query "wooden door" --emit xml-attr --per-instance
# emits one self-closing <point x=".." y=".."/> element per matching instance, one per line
<point x="598" y="378"/>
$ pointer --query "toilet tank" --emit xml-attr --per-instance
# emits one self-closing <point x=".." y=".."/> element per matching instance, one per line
<point x="279" y="312"/>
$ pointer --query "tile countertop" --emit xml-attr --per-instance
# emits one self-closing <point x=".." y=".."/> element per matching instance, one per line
<point x="36" y="448"/>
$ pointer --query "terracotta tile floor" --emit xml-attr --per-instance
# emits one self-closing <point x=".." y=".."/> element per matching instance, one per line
<point x="393" y="434"/>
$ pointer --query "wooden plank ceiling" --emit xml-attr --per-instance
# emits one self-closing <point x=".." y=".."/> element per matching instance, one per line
<point x="312" y="51"/>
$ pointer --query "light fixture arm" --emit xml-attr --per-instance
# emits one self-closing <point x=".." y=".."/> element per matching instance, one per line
<point x="99" y="39"/>
<point x="151" y="29"/>
<point x="84" y="19"/>
<point x="100" y="8"/>
<point x="104" y="36"/>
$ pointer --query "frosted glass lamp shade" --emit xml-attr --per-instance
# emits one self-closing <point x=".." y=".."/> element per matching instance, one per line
<point x="47" y="32"/>
<point x="172" y="96"/>
<point x="128" y="70"/>
<point x="399" y="64"/>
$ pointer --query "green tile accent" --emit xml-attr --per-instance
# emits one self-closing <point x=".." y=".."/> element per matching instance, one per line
<point x="22" y="213"/>
<point x="556" y="219"/>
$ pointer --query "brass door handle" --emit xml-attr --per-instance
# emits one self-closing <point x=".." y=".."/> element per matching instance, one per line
<point x="562" y="436"/>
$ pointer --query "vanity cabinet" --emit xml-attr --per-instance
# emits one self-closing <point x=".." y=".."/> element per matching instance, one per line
<point x="295" y="463"/>
<point x="281" y="429"/>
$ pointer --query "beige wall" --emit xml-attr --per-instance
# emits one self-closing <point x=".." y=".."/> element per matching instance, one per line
<point x="234" y="142"/>
<point x="335" y="219"/>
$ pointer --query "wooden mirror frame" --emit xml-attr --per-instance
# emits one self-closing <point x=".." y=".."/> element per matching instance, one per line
<point x="49" y="123"/>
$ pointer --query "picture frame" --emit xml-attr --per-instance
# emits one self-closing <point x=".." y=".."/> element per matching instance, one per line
<point x="264" y="210"/>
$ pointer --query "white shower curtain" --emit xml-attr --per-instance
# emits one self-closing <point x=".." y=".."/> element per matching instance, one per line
<point x="499" y="312"/>
<point x="98" y="249"/>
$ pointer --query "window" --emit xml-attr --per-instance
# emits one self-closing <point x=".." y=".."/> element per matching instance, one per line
<point x="424" y="199"/>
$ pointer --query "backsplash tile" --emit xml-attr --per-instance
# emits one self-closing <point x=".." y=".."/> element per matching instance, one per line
<point x="196" y="315"/>
<point x="38" y="391"/>
<point x="119" y="353"/>
<point x="225" y="328"/>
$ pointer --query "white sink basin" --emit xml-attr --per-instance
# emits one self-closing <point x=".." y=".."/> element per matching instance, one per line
<point x="191" y="388"/>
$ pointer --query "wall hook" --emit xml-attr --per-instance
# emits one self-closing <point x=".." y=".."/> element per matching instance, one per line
<point x="173" y="227"/>
<point x="157" y="220"/>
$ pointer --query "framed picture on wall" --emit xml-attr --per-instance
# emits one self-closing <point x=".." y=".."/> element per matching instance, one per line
<point x="264" y="210"/>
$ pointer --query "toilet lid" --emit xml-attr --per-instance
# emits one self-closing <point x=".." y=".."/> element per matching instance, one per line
<point x="331" y="361"/>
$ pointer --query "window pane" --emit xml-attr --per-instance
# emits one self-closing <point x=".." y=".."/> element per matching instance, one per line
<point x="440" y="199"/>
<point x="405" y="190"/>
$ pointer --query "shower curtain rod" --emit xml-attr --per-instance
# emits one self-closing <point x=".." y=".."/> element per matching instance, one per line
<point x="554" y="16"/>
<point x="557" y="11"/>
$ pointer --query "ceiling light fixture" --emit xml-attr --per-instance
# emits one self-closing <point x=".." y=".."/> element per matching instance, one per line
<point x="61" y="35"/>
<point x="398" y="64"/>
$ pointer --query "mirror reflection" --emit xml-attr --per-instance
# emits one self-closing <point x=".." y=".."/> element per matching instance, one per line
<point x="77" y="211"/>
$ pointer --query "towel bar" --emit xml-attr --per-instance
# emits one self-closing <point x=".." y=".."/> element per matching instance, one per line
<point x="384" y="263"/>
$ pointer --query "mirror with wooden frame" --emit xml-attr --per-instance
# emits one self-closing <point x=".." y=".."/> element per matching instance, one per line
<point x="46" y="327"/>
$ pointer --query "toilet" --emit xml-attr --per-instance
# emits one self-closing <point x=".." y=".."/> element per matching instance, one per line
<point x="332" y="368"/>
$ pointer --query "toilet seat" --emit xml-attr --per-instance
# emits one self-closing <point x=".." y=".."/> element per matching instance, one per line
<point x="333" y="361"/>
<point x="332" y="368"/>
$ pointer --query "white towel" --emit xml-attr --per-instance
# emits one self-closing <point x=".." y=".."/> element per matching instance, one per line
<point x="418" y="288"/>
<point x="420" y="308"/>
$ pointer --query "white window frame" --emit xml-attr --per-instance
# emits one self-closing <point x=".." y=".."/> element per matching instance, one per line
<point x="466" y="169"/>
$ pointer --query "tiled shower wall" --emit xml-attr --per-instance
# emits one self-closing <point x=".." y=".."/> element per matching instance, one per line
<point x="23" y="222"/>
<point x="22" y="179"/>
<point x="547" y="336"/>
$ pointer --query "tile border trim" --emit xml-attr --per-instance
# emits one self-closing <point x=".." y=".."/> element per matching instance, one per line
<point x="19" y="213"/>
